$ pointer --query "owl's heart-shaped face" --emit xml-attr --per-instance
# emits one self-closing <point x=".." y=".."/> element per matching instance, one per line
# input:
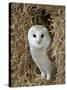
<point x="38" y="36"/>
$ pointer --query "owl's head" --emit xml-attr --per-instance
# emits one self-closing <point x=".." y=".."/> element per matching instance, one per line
<point x="38" y="37"/>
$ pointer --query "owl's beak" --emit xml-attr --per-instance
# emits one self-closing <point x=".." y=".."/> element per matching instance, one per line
<point x="38" y="41"/>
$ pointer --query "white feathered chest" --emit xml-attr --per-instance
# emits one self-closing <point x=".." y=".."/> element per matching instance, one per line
<point x="41" y="59"/>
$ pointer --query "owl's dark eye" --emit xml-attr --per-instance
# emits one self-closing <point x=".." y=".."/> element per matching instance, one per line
<point x="34" y="35"/>
<point x="42" y="35"/>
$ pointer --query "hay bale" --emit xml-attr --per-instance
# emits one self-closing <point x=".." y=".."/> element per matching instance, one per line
<point x="24" y="71"/>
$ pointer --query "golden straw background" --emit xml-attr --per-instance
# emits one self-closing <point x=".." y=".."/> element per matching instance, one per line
<point x="24" y="71"/>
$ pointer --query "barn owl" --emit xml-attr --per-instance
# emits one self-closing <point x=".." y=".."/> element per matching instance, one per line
<point x="39" y="41"/>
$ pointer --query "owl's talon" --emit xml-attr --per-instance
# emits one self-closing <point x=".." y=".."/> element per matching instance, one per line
<point x="48" y="76"/>
<point x="43" y="75"/>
